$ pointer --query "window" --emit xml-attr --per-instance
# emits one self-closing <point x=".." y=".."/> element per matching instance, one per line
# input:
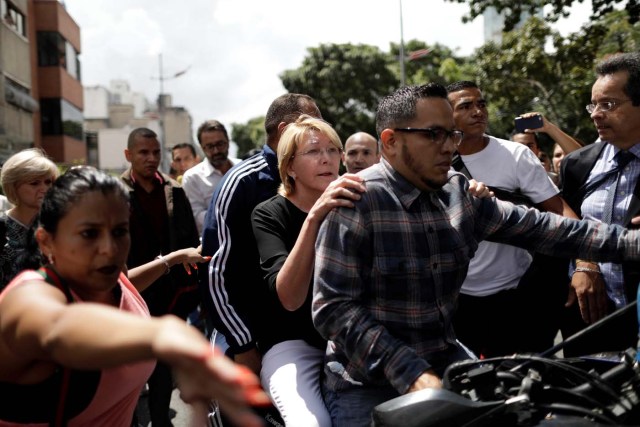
<point x="51" y="49"/>
<point x="71" y="60"/>
<point x="59" y="117"/>
<point x="12" y="16"/>
<point x="19" y="96"/>
<point x="54" y="51"/>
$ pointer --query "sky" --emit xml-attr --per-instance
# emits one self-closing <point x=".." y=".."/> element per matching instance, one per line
<point x="234" y="50"/>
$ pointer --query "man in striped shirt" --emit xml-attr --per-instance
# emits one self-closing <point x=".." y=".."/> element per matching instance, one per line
<point x="388" y="271"/>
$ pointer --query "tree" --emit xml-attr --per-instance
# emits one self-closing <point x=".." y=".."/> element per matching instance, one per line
<point x="347" y="81"/>
<point x="518" y="76"/>
<point x="514" y="9"/>
<point x="248" y="136"/>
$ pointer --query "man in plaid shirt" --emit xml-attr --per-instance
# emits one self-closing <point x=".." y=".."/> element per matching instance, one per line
<point x="388" y="272"/>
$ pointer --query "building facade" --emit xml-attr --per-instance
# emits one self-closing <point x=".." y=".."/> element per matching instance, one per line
<point x="41" y="99"/>
<point x="17" y="103"/>
<point x="111" y="114"/>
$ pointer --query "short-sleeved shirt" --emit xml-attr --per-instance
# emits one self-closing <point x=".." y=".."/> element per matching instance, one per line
<point x="509" y="166"/>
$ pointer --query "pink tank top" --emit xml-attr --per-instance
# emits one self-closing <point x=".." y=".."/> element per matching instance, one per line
<point x="119" y="388"/>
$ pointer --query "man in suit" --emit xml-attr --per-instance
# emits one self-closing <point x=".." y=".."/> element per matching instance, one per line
<point x="601" y="183"/>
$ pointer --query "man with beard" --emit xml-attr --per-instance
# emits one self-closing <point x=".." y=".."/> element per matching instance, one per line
<point x="388" y="271"/>
<point x="200" y="181"/>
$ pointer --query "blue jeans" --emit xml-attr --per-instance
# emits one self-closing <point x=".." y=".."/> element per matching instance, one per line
<point x="352" y="407"/>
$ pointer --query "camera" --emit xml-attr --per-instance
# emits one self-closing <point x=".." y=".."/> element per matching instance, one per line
<point x="533" y="122"/>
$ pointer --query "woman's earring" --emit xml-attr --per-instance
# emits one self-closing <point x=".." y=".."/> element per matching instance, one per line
<point x="50" y="258"/>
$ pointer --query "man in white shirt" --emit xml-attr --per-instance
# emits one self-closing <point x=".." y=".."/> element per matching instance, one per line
<point x="200" y="181"/>
<point x="490" y="313"/>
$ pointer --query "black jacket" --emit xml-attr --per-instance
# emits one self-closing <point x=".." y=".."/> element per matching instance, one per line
<point x="176" y="292"/>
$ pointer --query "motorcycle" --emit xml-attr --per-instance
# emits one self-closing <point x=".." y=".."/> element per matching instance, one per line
<point x="527" y="390"/>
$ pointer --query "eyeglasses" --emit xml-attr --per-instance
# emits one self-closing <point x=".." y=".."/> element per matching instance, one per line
<point x="604" y="106"/>
<point x="316" y="153"/>
<point x="217" y="146"/>
<point x="437" y="135"/>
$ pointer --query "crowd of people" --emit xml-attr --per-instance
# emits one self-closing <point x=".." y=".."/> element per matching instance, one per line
<point x="325" y="294"/>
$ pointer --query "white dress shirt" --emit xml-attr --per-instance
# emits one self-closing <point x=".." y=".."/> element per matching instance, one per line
<point x="199" y="183"/>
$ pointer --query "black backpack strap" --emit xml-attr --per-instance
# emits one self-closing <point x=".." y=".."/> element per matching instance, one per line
<point x="516" y="197"/>
<point x="459" y="166"/>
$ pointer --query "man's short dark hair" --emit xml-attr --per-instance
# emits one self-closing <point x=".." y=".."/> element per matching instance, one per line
<point x="184" y="145"/>
<point x="285" y="108"/>
<point x="462" y="85"/>
<point x="629" y="62"/>
<point x="139" y="133"/>
<point x="535" y="135"/>
<point x="210" y="126"/>
<point x="399" y="108"/>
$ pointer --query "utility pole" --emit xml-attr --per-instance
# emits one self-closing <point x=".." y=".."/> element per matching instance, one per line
<point x="161" y="78"/>
<point x="161" y="108"/>
<point x="402" y="71"/>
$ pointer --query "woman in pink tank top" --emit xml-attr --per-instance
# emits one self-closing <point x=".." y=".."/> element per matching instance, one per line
<point x="76" y="340"/>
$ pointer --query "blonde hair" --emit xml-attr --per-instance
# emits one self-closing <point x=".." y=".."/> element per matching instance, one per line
<point x="291" y="138"/>
<point x="25" y="166"/>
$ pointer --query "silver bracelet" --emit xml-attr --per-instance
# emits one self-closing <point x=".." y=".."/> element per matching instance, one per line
<point x="166" y="263"/>
<point x="586" y="270"/>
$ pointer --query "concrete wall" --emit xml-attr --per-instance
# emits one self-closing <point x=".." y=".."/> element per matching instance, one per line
<point x="96" y="102"/>
<point x="120" y="115"/>
<point x="16" y="124"/>
<point x="111" y="146"/>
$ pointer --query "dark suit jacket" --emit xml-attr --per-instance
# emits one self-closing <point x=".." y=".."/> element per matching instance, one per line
<point x="575" y="170"/>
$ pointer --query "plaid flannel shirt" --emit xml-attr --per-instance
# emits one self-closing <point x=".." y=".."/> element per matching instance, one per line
<point x="388" y="272"/>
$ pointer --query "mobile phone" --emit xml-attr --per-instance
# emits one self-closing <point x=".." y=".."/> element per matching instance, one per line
<point x="533" y="122"/>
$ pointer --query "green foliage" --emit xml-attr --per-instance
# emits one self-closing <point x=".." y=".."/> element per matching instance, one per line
<point x="520" y="75"/>
<point x="346" y="81"/>
<point x="452" y="70"/>
<point x="534" y="69"/>
<point x="513" y="9"/>
<point x="248" y="136"/>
